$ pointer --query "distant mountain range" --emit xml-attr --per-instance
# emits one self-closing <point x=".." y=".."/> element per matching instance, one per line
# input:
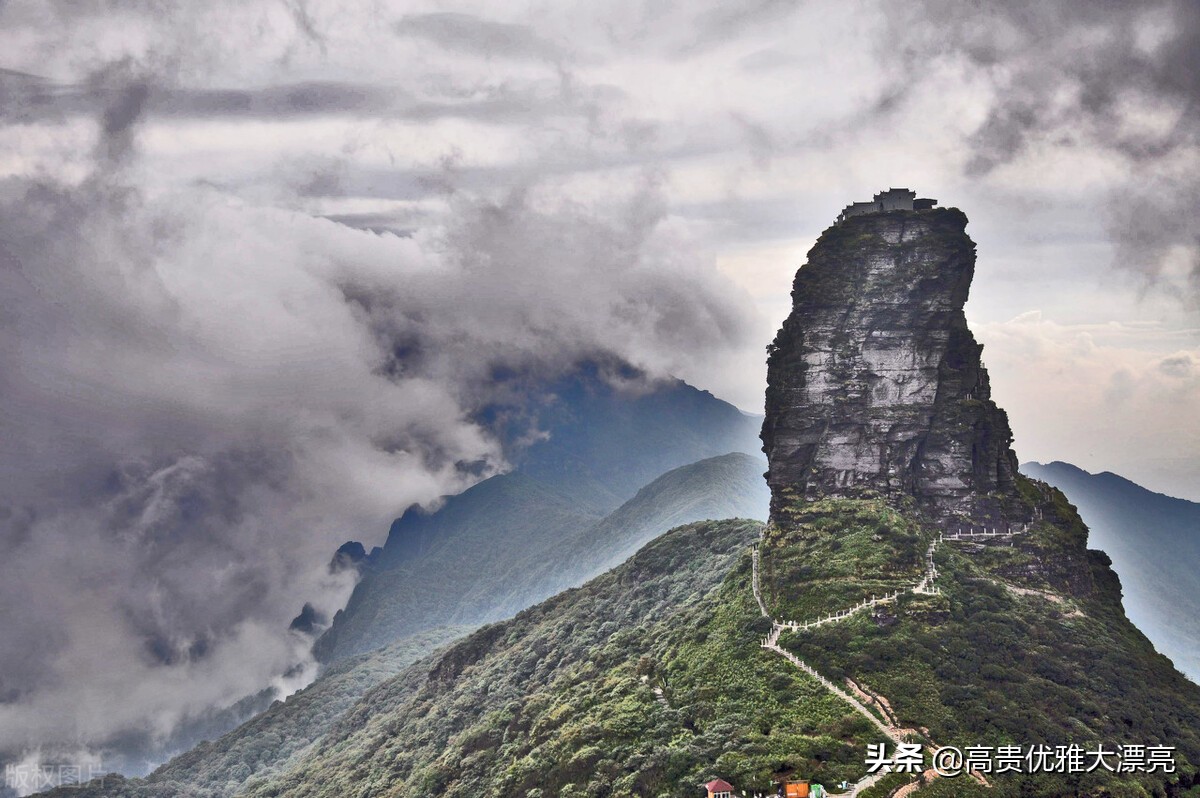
<point x="1154" y="543"/>
<point x="570" y="510"/>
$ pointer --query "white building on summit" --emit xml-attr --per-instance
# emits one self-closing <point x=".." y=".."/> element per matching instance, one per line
<point x="894" y="199"/>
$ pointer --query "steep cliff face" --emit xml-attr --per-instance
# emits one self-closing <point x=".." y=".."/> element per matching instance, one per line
<point x="875" y="384"/>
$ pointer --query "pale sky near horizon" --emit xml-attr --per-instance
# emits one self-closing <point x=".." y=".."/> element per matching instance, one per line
<point x="258" y="261"/>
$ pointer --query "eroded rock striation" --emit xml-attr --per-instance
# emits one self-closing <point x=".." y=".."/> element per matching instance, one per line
<point x="874" y="382"/>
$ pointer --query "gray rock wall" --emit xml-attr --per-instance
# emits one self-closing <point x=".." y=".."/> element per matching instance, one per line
<point x="875" y="382"/>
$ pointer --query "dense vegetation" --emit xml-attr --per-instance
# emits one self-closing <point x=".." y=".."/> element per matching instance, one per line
<point x="833" y="553"/>
<point x="506" y="543"/>
<point x="1026" y="644"/>
<point x="512" y="541"/>
<point x="562" y="699"/>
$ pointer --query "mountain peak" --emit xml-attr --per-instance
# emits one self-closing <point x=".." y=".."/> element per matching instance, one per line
<point x="875" y="383"/>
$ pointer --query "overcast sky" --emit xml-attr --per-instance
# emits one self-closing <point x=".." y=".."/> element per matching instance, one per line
<point x="258" y="261"/>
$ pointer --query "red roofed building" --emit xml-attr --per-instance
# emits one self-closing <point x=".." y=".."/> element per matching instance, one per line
<point x="719" y="788"/>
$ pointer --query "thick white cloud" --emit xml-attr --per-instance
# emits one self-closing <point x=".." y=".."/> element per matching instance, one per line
<point x="204" y="397"/>
<point x="1099" y="394"/>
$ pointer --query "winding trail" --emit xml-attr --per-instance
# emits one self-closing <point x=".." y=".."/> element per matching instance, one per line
<point x="926" y="586"/>
<point x="771" y="643"/>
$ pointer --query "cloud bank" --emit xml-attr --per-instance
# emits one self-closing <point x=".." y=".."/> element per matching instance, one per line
<point x="205" y="396"/>
<point x="1121" y="78"/>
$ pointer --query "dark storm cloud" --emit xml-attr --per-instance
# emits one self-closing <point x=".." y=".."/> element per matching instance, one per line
<point x="123" y="94"/>
<point x="26" y="98"/>
<point x="473" y="35"/>
<point x="1095" y="53"/>
<point x="1062" y="65"/>
<point x="1124" y="77"/>
<point x="1182" y="365"/>
<point x="1153" y="221"/>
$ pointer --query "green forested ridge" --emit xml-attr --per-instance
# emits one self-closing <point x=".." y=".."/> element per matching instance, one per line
<point x="1026" y="644"/>
<point x="561" y="700"/>
<point x="595" y="444"/>
<point x="514" y="540"/>
<point x="729" y="486"/>
<point x="478" y="536"/>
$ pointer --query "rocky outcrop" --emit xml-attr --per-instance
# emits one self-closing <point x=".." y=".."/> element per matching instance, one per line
<point x="874" y="382"/>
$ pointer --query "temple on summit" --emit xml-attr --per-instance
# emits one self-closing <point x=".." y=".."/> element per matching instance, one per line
<point x="894" y="199"/>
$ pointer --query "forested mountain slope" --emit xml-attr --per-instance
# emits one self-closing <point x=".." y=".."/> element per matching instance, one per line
<point x="1154" y="543"/>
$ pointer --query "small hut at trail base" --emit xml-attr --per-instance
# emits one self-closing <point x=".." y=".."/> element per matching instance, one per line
<point x="719" y="788"/>
<point x="796" y="789"/>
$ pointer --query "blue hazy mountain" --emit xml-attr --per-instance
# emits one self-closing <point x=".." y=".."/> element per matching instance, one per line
<point x="570" y="509"/>
<point x="1154" y="543"/>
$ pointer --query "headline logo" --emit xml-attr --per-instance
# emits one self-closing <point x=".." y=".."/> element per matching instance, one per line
<point x="950" y="761"/>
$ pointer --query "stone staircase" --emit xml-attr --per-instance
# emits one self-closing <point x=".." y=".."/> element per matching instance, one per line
<point x="926" y="586"/>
